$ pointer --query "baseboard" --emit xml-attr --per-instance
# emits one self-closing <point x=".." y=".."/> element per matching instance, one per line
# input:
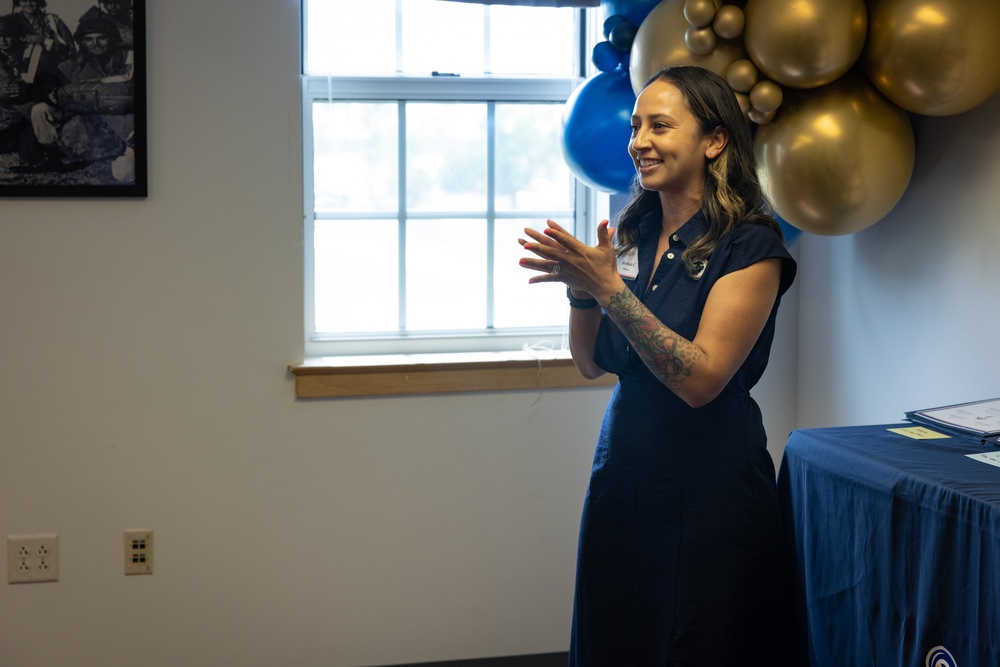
<point x="536" y="660"/>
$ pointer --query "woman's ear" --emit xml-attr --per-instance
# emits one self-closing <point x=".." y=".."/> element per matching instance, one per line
<point x="717" y="141"/>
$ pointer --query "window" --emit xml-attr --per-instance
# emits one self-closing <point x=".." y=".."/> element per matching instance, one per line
<point x="431" y="134"/>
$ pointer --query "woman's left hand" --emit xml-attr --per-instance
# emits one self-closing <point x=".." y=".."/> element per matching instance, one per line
<point x="563" y="258"/>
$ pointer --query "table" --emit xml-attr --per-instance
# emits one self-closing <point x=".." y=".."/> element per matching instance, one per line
<point x="896" y="548"/>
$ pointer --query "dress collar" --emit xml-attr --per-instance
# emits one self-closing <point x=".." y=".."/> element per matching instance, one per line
<point x="687" y="233"/>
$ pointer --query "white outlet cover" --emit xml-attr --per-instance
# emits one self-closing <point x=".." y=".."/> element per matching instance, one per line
<point x="32" y="558"/>
<point x="139" y="551"/>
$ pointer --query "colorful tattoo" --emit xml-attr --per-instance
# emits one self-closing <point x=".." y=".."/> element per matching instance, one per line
<point x="668" y="355"/>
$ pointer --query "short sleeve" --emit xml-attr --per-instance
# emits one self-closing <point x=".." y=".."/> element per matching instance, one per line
<point x="752" y="243"/>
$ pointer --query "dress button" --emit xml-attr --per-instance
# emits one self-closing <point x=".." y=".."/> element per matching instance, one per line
<point x="675" y="237"/>
<point x="655" y="286"/>
<point x="670" y="255"/>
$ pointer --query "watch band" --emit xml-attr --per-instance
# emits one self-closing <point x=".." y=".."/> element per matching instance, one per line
<point x="580" y="304"/>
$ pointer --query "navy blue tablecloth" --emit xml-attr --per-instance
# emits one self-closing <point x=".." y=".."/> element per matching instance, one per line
<point x="896" y="548"/>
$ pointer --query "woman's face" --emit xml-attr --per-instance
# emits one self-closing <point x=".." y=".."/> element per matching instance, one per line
<point x="667" y="145"/>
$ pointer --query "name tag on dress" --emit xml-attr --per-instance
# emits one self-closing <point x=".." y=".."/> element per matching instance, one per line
<point x="628" y="264"/>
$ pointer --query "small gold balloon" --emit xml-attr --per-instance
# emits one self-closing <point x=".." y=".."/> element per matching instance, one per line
<point x="742" y="75"/>
<point x="835" y="159"/>
<point x="729" y="22"/>
<point x="805" y="43"/>
<point x="934" y="57"/>
<point x="699" y="13"/>
<point x="659" y="43"/>
<point x="766" y="96"/>
<point x="760" y="117"/>
<point x="701" y="41"/>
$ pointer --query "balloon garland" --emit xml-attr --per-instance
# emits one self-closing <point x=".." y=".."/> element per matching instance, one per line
<point x="828" y="85"/>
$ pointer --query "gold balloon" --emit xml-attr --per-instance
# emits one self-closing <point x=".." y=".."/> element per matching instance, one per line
<point x="742" y="75"/>
<point x="700" y="41"/>
<point x="766" y="96"/>
<point x="659" y="43"/>
<point x="744" y="102"/>
<point x="805" y="43"/>
<point x="729" y="22"/>
<point x="760" y="117"/>
<point x="934" y="57"/>
<point x="836" y="159"/>
<point x="699" y="13"/>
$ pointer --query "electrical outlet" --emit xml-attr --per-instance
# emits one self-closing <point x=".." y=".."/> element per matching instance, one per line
<point x="138" y="551"/>
<point x="32" y="558"/>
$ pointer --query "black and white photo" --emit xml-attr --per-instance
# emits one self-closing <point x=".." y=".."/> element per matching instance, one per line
<point x="72" y="98"/>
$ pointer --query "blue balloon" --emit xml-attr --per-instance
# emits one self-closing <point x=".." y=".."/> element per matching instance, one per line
<point x="633" y="10"/>
<point x="597" y="125"/>
<point x="791" y="234"/>
<point x="611" y="22"/>
<point x="605" y="56"/>
<point x="623" y="35"/>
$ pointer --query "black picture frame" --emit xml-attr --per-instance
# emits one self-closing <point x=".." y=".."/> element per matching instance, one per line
<point x="88" y="137"/>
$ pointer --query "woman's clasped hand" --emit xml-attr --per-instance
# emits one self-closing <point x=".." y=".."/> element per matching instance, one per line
<point x="561" y="257"/>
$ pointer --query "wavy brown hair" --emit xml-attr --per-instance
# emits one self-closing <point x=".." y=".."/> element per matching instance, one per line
<point x="733" y="195"/>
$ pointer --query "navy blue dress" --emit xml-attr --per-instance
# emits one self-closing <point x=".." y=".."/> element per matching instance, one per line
<point x="679" y="553"/>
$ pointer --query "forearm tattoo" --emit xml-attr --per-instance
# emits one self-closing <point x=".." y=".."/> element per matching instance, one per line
<point x="668" y="355"/>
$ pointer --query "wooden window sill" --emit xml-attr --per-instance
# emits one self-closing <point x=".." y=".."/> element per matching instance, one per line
<point x="339" y="377"/>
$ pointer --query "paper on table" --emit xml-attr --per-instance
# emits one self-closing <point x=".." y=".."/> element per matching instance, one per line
<point x="993" y="458"/>
<point x="919" y="433"/>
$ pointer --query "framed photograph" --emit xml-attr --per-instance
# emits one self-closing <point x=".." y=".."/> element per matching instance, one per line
<point x="73" y="98"/>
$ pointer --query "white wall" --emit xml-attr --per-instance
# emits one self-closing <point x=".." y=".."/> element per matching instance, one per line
<point x="143" y="384"/>
<point x="905" y="315"/>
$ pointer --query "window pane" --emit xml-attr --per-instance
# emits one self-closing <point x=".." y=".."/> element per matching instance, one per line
<point x="442" y="36"/>
<point x="355" y="156"/>
<point x="356" y="280"/>
<point x="530" y="171"/>
<point x="516" y="303"/>
<point x="445" y="274"/>
<point x="446" y="157"/>
<point x="467" y="162"/>
<point x="350" y="37"/>
<point x="531" y="40"/>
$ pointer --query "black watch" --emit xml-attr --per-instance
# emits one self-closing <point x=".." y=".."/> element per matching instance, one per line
<point x="581" y="304"/>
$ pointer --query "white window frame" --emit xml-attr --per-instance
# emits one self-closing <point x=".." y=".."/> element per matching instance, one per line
<point x="587" y="204"/>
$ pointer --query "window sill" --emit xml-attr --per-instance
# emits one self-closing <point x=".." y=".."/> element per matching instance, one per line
<point x="340" y="377"/>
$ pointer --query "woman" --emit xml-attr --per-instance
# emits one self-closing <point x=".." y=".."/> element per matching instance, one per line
<point x="679" y="556"/>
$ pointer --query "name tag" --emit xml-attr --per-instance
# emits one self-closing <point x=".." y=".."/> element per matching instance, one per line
<point x="628" y="264"/>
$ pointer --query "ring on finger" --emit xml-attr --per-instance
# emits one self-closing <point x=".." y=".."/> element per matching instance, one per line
<point x="556" y="268"/>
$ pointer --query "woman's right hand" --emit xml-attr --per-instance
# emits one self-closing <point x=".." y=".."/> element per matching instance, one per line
<point x="590" y="271"/>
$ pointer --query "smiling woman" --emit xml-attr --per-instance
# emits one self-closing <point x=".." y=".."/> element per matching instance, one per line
<point x="678" y="561"/>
